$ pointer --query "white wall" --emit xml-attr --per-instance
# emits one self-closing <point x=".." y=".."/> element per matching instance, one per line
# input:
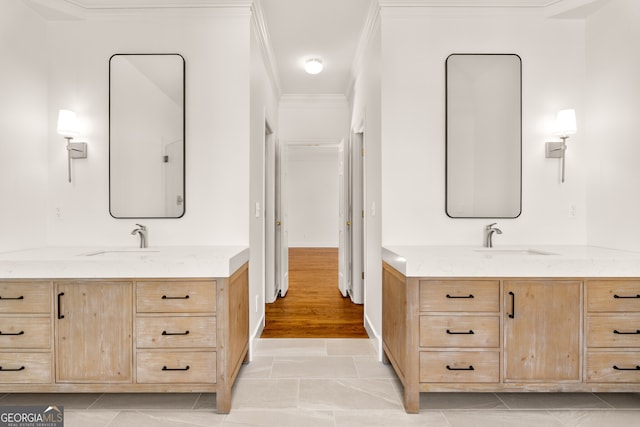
<point x="312" y="192"/>
<point x="216" y="48"/>
<point x="366" y="118"/>
<point x="23" y="127"/>
<point x="312" y="180"/>
<point x="263" y="109"/>
<point x="612" y="125"/>
<point x="415" y="44"/>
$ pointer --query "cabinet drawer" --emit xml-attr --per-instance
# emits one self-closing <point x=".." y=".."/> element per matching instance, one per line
<point x="459" y="367"/>
<point x="25" y="332"/>
<point x="176" y="332"/>
<point x="613" y="331"/>
<point x="460" y="295"/>
<point x="613" y="367"/>
<point x="613" y="295"/>
<point x="25" y="368"/>
<point x="24" y="297"/>
<point x="187" y="367"/>
<point x="176" y="297"/>
<point x="459" y="331"/>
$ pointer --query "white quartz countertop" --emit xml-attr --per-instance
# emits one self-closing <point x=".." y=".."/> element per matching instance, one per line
<point x="118" y="262"/>
<point x="512" y="261"/>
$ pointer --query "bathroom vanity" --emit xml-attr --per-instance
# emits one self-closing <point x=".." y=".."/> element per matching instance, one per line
<point x="561" y="319"/>
<point x="123" y="320"/>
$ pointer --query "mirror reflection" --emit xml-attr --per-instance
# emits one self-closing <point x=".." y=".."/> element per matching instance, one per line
<point x="146" y="136"/>
<point x="484" y="137"/>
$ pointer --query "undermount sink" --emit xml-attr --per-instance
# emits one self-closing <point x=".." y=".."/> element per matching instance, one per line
<point x="107" y="252"/>
<point x="513" y="251"/>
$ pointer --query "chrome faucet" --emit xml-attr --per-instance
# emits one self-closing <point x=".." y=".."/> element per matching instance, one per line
<point x="142" y="231"/>
<point x="488" y="234"/>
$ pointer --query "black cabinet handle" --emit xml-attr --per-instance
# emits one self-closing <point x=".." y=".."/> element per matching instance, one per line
<point x="166" y="297"/>
<point x="10" y="333"/>
<point x="637" y="368"/>
<point x="513" y="305"/>
<point x="460" y="333"/>
<point x="12" y="298"/>
<point x="470" y="368"/>
<point x="175" y="333"/>
<point x="636" y="332"/>
<point x="21" y="368"/>
<point x="622" y="296"/>
<point x="164" y="368"/>
<point x="60" y="315"/>
<point x="463" y="296"/>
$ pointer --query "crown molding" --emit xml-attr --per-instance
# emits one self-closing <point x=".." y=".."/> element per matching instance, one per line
<point x="373" y="15"/>
<point x="264" y="39"/>
<point x="469" y="3"/>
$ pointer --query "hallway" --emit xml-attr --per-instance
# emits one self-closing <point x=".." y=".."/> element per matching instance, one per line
<point x="313" y="306"/>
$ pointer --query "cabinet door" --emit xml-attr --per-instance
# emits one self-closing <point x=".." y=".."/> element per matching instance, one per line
<point x="542" y="330"/>
<point x="94" y="332"/>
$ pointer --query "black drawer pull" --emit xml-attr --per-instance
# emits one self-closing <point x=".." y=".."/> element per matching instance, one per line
<point x="175" y="333"/>
<point x="470" y="368"/>
<point x="164" y="368"/>
<point x="456" y="296"/>
<point x="460" y="333"/>
<point x="60" y="315"/>
<point x="166" y="297"/>
<point x="637" y="368"/>
<point x="10" y="333"/>
<point x="620" y="296"/>
<point x="10" y="298"/>
<point x="21" y="368"/>
<point x="636" y="332"/>
<point x="513" y="305"/>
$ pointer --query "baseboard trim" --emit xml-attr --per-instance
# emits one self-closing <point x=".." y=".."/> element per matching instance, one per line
<point x="256" y="335"/>
<point x="373" y="336"/>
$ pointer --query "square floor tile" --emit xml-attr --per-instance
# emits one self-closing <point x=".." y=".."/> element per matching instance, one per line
<point x="450" y="401"/>
<point x="348" y="394"/>
<point x="552" y="401"/>
<point x="289" y="347"/>
<point x="161" y="401"/>
<point x="350" y="347"/>
<point x="621" y="400"/>
<point x="279" y="418"/>
<point x="314" y="367"/>
<point x="265" y="394"/>
<point x="68" y="400"/>
<point x="501" y="418"/>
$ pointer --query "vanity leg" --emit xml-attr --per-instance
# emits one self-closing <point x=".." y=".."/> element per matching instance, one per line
<point x="411" y="399"/>
<point x="223" y="400"/>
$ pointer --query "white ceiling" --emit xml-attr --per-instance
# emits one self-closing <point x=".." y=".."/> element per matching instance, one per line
<point x="327" y="29"/>
<point x="300" y="29"/>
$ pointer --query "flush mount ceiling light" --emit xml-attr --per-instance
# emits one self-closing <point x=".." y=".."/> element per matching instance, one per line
<point x="313" y="66"/>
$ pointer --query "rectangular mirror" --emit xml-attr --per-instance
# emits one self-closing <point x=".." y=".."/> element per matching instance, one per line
<point x="483" y="136"/>
<point x="146" y="136"/>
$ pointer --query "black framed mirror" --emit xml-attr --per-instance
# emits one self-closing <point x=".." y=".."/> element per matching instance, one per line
<point x="146" y="136"/>
<point x="483" y="136"/>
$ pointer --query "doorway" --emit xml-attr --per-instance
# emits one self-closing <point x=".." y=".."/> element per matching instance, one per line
<point x="318" y="179"/>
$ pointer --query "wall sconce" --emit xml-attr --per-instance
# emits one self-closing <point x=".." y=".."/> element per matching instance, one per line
<point x="565" y="125"/>
<point x="67" y="127"/>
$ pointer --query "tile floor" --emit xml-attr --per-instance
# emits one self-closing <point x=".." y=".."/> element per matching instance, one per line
<point x="335" y="382"/>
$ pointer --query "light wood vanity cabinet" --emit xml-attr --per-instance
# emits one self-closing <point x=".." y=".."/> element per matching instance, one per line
<point x="613" y="331"/>
<point x="511" y="334"/>
<point x="93" y="323"/>
<point x="542" y="330"/>
<point x="146" y="335"/>
<point x="26" y="333"/>
<point x="176" y="332"/>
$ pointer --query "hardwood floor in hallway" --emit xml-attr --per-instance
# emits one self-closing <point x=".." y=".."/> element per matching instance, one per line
<point x="314" y="306"/>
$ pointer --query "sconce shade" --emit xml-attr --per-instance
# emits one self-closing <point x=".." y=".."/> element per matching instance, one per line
<point x="566" y="123"/>
<point x="67" y="125"/>
<point x="313" y="66"/>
